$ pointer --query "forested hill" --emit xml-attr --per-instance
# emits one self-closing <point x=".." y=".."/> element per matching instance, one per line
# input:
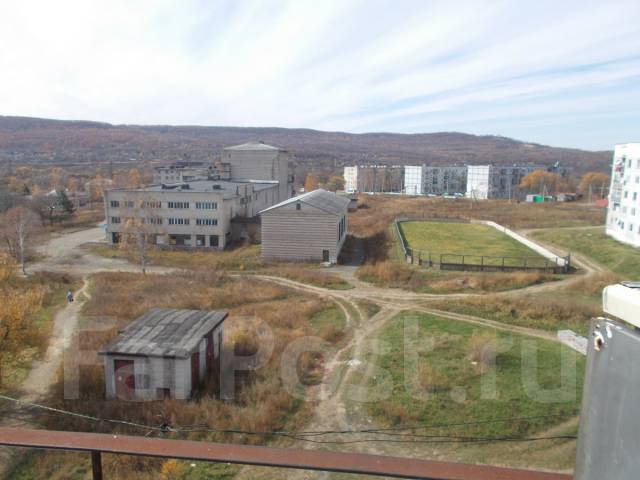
<point x="41" y="141"/>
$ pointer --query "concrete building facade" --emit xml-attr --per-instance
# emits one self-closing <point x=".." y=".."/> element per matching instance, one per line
<point x="192" y="214"/>
<point x="259" y="161"/>
<point x="164" y="353"/>
<point x="435" y="180"/>
<point x="623" y="213"/>
<point x="183" y="172"/>
<point x="374" y="178"/>
<point x="310" y="227"/>
<point x="496" y="182"/>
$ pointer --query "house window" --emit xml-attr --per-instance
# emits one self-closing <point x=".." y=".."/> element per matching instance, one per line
<point x="206" y="221"/>
<point x="213" y="240"/>
<point x="114" y="203"/>
<point x="179" y="205"/>
<point x="207" y="205"/>
<point x="115" y="219"/>
<point x="298" y="206"/>
<point x="178" y="221"/>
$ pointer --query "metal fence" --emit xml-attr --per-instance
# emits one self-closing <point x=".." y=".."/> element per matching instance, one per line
<point x="342" y="462"/>
<point x="479" y="263"/>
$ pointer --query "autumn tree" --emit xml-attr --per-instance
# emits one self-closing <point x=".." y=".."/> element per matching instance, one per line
<point x="18" y="225"/>
<point x="134" y="179"/>
<point x="56" y="178"/>
<point x="335" y="183"/>
<point x="16" y="309"/>
<point x="594" y="182"/>
<point x="311" y="182"/>
<point x="96" y="188"/>
<point x="540" y="181"/>
<point x="140" y="230"/>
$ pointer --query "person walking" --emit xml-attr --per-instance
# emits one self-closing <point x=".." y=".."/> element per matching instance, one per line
<point x="70" y="296"/>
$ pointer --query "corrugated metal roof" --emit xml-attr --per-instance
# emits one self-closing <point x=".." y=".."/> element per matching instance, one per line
<point x="165" y="333"/>
<point x="327" y="201"/>
<point x="225" y="187"/>
<point x="253" y="146"/>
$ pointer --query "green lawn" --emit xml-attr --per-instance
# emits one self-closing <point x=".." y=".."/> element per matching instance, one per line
<point x="595" y="244"/>
<point x="452" y="384"/>
<point x="469" y="239"/>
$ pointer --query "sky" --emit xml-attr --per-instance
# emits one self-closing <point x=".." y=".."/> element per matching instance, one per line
<point x="562" y="73"/>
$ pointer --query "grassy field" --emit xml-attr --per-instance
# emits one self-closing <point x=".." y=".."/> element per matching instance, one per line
<point x="595" y="244"/>
<point x="472" y="240"/>
<point x="446" y="385"/>
<point x="261" y="402"/>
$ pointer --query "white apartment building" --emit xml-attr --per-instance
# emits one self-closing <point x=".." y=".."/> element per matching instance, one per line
<point x="351" y="179"/>
<point x="414" y="180"/>
<point x="623" y="214"/>
<point x="478" y="182"/>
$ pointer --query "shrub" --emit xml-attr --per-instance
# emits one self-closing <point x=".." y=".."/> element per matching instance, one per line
<point x="482" y="349"/>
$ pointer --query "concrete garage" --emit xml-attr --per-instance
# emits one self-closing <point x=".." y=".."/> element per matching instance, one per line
<point x="311" y="227"/>
<point x="164" y="353"/>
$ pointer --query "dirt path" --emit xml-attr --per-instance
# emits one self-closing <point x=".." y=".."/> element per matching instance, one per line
<point x="42" y="375"/>
<point x="342" y="370"/>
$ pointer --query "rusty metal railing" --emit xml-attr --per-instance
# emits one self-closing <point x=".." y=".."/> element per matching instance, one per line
<point x="359" y="463"/>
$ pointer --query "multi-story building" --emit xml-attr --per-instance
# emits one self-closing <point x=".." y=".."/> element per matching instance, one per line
<point x="191" y="214"/>
<point x="374" y="178"/>
<point x="623" y="214"/>
<point x="428" y="180"/>
<point x="351" y="179"/>
<point x="259" y="161"/>
<point x="494" y="181"/>
<point x="182" y="172"/>
<point x="210" y="206"/>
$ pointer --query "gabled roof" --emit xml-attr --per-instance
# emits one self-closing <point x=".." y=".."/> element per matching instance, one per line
<point x="321" y="199"/>
<point x="165" y="333"/>
<point x="253" y="146"/>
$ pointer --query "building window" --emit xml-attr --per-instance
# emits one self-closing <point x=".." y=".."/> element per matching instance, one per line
<point x="128" y="203"/>
<point x="206" y="221"/>
<point x="178" y="221"/>
<point x="298" y="206"/>
<point x="115" y="219"/>
<point x="626" y="194"/>
<point x="180" y="205"/>
<point x="152" y="204"/>
<point x="631" y="227"/>
<point x="213" y="240"/>
<point x="114" y="203"/>
<point x="207" y="205"/>
<point x="155" y="221"/>
<point x="635" y="195"/>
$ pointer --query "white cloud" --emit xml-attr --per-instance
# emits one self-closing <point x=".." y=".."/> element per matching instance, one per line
<point x="353" y="65"/>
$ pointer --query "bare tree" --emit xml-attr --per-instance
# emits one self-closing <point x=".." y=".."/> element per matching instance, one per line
<point x="141" y="229"/>
<point x="17" y="226"/>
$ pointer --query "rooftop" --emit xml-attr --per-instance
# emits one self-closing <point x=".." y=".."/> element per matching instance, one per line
<point x="321" y="199"/>
<point x="165" y="333"/>
<point x="253" y="146"/>
<point x="227" y="188"/>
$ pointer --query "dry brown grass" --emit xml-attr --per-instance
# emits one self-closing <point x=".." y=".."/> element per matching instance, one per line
<point x="311" y="276"/>
<point x="381" y="210"/>
<point x="261" y="405"/>
<point x="399" y="275"/>
<point x="545" y="313"/>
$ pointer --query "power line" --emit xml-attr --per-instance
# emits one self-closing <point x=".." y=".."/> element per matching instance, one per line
<point x="305" y="435"/>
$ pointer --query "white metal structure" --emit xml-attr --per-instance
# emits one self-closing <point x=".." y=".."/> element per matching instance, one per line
<point x="414" y="180"/>
<point x="623" y="301"/>
<point x="623" y="215"/>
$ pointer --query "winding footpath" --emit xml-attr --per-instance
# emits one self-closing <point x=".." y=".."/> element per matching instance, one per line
<point x="63" y="253"/>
